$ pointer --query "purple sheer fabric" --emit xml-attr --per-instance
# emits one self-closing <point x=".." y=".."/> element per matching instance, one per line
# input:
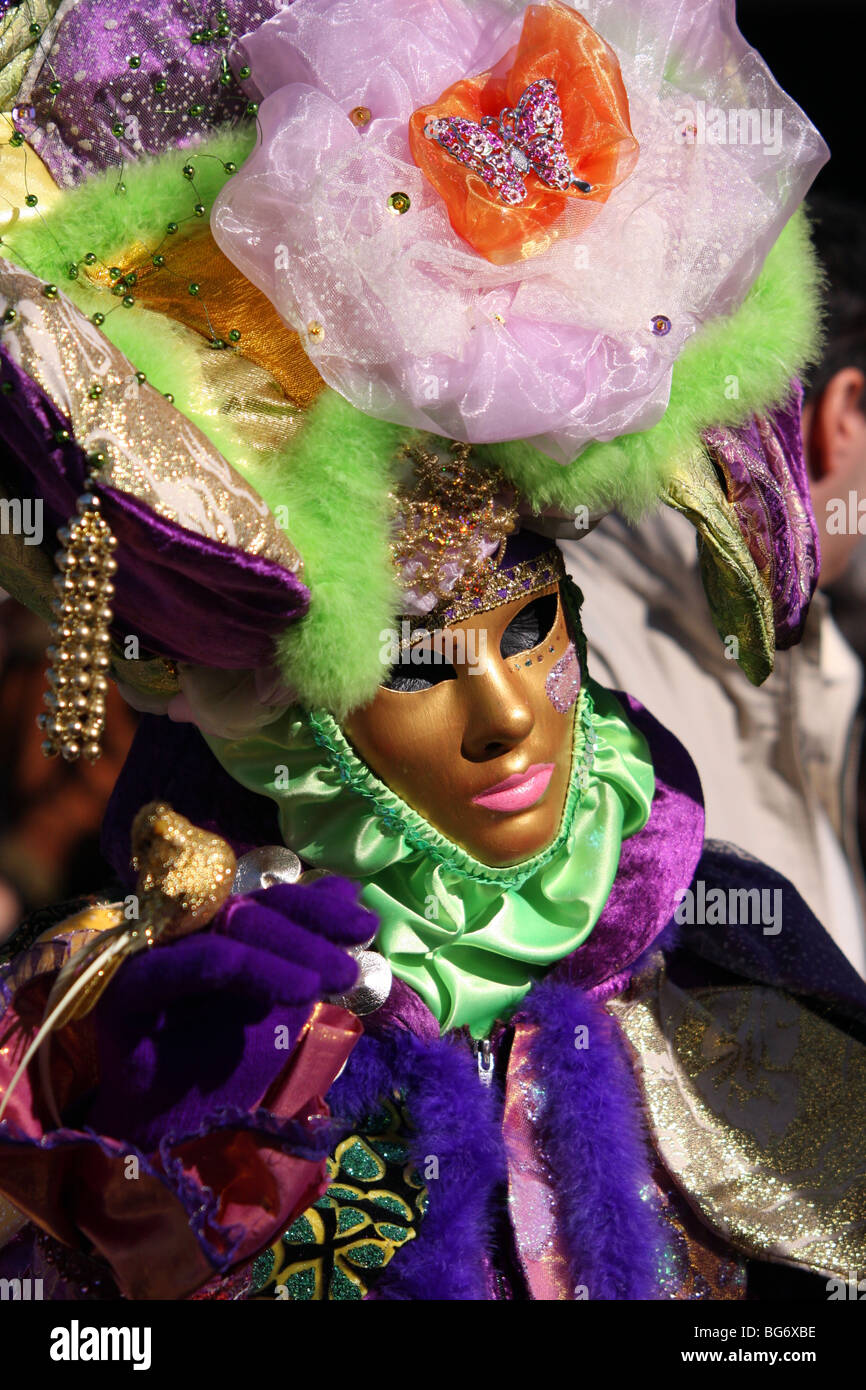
<point x="88" y="51"/>
<point x="187" y="597"/>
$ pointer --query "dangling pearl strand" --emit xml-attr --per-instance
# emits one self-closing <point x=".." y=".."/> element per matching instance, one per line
<point x="79" y="657"/>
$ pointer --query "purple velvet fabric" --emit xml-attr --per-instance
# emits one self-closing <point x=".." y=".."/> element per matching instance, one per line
<point x="769" y="489"/>
<point x="190" y="1027"/>
<point x="89" y="57"/>
<point x="800" y="958"/>
<point x="185" y="596"/>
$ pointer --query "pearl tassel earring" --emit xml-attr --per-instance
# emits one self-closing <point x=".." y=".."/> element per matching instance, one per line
<point x="79" y="652"/>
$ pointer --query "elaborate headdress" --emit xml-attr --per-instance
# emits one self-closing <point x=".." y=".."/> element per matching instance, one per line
<point x="239" y="285"/>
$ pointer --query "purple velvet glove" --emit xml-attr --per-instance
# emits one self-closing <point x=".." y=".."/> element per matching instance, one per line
<point x="196" y="1025"/>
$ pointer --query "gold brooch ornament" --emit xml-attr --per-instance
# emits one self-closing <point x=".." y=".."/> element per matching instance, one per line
<point x="79" y="652"/>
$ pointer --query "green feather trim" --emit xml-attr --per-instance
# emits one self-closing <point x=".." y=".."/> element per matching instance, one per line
<point x="334" y="486"/>
<point x="773" y="336"/>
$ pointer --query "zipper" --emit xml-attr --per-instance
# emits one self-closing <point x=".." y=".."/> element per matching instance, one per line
<point x="486" y="1061"/>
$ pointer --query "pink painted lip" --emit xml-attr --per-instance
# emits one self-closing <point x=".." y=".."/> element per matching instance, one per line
<point x="517" y="792"/>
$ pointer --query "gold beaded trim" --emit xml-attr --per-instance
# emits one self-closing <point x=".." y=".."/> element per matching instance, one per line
<point x="490" y="589"/>
<point x="79" y="654"/>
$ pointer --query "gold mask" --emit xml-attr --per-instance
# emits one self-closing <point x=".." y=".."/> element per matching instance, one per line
<point x="492" y="704"/>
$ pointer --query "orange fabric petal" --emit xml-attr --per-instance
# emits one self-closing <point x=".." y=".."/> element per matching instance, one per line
<point x="557" y="43"/>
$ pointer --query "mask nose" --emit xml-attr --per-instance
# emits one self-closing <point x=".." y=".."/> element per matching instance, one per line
<point x="498" y="713"/>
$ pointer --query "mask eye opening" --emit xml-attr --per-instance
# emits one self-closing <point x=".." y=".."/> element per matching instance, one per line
<point x="531" y="626"/>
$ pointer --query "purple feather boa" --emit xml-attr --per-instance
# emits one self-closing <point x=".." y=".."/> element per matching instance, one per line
<point x="457" y="1122"/>
<point x="594" y="1138"/>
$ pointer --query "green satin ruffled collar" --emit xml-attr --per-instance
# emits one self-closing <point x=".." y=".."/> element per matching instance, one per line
<point x="469" y="938"/>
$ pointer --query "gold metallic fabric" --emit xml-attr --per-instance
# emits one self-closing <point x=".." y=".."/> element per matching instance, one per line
<point x="151" y="451"/>
<point x="738" y="595"/>
<point x="21" y="172"/>
<point x="225" y="301"/>
<point x="758" y="1111"/>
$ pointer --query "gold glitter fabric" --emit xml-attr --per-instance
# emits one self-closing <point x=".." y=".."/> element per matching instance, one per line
<point x="738" y="594"/>
<point x="225" y="301"/>
<point x="373" y="1207"/>
<point x="757" y="1109"/>
<point x="151" y="452"/>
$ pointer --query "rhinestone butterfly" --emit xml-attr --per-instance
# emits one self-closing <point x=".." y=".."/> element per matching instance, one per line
<point x="521" y="139"/>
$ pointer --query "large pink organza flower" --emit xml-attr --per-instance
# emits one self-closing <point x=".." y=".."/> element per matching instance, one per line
<point x="332" y="218"/>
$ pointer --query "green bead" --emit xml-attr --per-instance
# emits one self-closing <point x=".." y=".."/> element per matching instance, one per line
<point x="252" y="108"/>
<point x="98" y="319"/>
<point x="31" y="200"/>
<point x="230" y="167"/>
<point x="115" y="271"/>
<point x="199" y="209"/>
<point x="140" y="378"/>
<point x="95" y="392"/>
<point x="217" y="343"/>
<point x="35" y="29"/>
<point x="169" y="397"/>
<point x="223" y="31"/>
<point x="196" y="110"/>
<point x="206" y="35"/>
<point x="127" y="301"/>
<point x="134" y="60"/>
<point x="17" y="139"/>
<point x="54" y="88"/>
<point x="234" y="335"/>
<point x="130" y="279"/>
<point x="244" y="72"/>
<point x="50" y="291"/>
<point x="188" y="171"/>
<point x="10" y="316"/>
<point x="160" y="85"/>
<point x="72" y="271"/>
<point x="96" y="460"/>
<point x="171" y="228"/>
<point x="6" y="387"/>
<point x="121" y="188"/>
<point x="195" y="36"/>
<point x="193" y="287"/>
<point x="90" y="258"/>
<point x="62" y="436"/>
<point x="117" y="129"/>
<point x="225" y="79"/>
<point x="158" y="260"/>
<point x="222" y="15"/>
